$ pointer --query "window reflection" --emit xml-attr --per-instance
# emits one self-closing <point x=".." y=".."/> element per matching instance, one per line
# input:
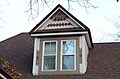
<point x="68" y="53"/>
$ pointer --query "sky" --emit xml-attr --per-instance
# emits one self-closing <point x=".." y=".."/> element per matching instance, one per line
<point x="14" y="18"/>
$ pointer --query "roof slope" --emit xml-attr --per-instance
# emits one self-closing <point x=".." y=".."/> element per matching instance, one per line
<point x="18" y="51"/>
<point x="103" y="60"/>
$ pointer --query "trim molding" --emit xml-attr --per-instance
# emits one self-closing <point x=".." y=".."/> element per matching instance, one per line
<point x="63" y="33"/>
<point x="2" y="76"/>
<point x="35" y="67"/>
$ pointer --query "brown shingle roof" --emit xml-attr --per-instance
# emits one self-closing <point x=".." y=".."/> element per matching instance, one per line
<point x="103" y="60"/>
<point x="18" y="51"/>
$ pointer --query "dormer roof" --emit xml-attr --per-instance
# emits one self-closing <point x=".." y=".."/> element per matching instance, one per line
<point x="60" y="22"/>
<point x="58" y="19"/>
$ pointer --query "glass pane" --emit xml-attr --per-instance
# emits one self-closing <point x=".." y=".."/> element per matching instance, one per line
<point x="67" y="62"/>
<point x="50" y="47"/>
<point x="47" y="47"/>
<point x="49" y="63"/>
<point x="69" y="47"/>
<point x="53" y="47"/>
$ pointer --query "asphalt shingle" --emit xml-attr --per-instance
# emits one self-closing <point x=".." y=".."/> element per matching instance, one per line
<point x="103" y="59"/>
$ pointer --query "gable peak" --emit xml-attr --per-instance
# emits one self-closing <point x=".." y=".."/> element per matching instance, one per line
<point x="59" y="18"/>
<point x="59" y="15"/>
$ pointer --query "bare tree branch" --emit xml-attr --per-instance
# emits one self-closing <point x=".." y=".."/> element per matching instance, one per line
<point x="86" y="4"/>
<point x="117" y="25"/>
<point x="1" y="13"/>
<point x="34" y="5"/>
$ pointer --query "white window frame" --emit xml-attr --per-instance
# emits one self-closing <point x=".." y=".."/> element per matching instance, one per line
<point x="50" y="55"/>
<point x="68" y="54"/>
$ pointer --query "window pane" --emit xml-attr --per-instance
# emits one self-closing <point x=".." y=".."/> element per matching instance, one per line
<point x="53" y="47"/>
<point x="47" y="47"/>
<point x="68" y="62"/>
<point x="69" y="47"/>
<point x="49" y="63"/>
<point x="50" y="47"/>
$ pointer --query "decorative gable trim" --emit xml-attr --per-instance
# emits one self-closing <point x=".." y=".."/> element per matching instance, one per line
<point x="60" y="20"/>
<point x="53" y="13"/>
<point x="59" y="25"/>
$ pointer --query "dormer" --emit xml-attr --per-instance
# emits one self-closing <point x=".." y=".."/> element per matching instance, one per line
<point x="61" y="44"/>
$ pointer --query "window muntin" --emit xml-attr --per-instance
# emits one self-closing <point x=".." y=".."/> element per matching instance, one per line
<point x="49" y="56"/>
<point x="68" y="55"/>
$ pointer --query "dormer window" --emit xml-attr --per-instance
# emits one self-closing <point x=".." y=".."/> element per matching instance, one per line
<point x="68" y="55"/>
<point x="49" y="56"/>
<point x="61" y="44"/>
